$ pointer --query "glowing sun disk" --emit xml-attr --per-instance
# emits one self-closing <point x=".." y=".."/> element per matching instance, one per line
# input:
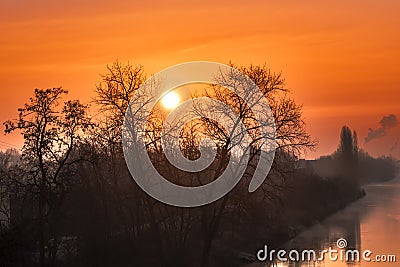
<point x="170" y="100"/>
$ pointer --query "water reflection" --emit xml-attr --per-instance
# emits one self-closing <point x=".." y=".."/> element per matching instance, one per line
<point x="372" y="223"/>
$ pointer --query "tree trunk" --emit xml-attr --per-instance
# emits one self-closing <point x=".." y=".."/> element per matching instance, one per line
<point x="41" y="228"/>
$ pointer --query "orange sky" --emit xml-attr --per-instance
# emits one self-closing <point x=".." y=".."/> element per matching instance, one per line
<point x="341" y="58"/>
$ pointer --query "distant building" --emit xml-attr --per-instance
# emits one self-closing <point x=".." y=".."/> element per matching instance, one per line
<point x="304" y="164"/>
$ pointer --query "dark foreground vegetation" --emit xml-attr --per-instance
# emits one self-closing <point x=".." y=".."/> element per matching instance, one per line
<point x="67" y="199"/>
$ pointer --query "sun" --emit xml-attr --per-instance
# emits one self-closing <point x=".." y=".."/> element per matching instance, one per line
<point x="170" y="100"/>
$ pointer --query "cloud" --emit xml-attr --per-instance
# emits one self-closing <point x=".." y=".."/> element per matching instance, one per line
<point x="386" y="123"/>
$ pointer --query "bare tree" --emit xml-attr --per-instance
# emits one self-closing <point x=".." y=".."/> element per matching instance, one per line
<point x="119" y="86"/>
<point x="291" y="136"/>
<point x="113" y="94"/>
<point x="50" y="135"/>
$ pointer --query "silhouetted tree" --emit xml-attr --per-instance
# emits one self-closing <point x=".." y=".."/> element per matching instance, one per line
<point x="347" y="156"/>
<point x="291" y="136"/>
<point x="50" y="135"/>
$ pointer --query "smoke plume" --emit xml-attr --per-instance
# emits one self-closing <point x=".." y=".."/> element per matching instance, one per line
<point x="386" y="123"/>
